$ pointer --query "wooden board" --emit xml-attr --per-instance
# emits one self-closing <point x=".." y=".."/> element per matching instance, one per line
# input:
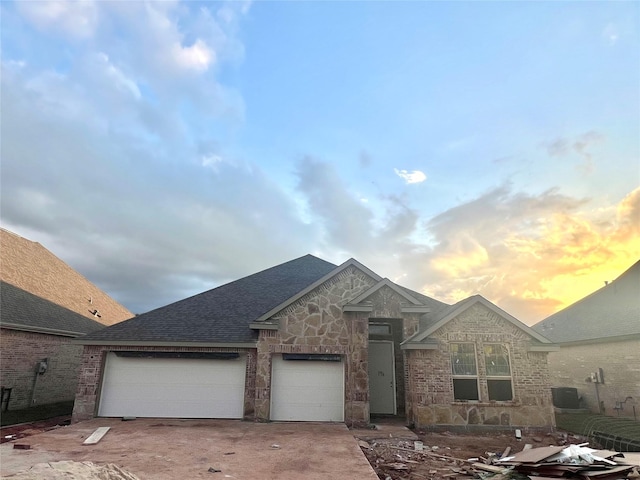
<point x="96" y="436"/>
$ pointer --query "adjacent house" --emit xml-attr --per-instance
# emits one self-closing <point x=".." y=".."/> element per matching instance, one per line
<point x="311" y="341"/>
<point x="39" y="364"/>
<point x="599" y="339"/>
<point x="45" y="304"/>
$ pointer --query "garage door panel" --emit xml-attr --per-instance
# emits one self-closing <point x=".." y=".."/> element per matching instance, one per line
<point x="307" y="390"/>
<point x="178" y="388"/>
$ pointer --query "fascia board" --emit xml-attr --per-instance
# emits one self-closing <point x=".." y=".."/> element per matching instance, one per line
<point x="129" y="343"/>
<point x="34" y="329"/>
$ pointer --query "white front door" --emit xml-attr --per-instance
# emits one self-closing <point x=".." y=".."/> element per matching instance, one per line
<point x="382" y="381"/>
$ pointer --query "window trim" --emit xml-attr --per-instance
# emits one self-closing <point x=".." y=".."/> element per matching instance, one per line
<point x="509" y="377"/>
<point x="457" y="376"/>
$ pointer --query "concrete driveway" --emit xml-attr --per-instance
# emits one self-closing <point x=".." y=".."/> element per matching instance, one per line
<point x="186" y="449"/>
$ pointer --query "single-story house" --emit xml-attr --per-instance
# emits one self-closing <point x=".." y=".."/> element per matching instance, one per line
<point x="311" y="341"/>
<point x="39" y="363"/>
<point x="598" y="364"/>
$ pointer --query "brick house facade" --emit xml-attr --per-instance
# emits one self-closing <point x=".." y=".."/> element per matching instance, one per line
<point x="600" y="333"/>
<point x="332" y="319"/>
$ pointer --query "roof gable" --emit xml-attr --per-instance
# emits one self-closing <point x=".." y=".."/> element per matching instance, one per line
<point x="361" y="303"/>
<point x="452" y="312"/>
<point x="289" y="301"/>
<point x="222" y="314"/>
<point x="609" y="312"/>
<point x="22" y="310"/>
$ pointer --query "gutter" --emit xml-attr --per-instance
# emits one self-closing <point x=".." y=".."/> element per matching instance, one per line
<point x="33" y="329"/>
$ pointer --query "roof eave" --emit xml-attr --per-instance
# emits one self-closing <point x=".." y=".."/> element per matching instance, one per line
<point x="131" y="343"/>
<point x="544" y="348"/>
<point x="264" y="326"/>
<point x="34" y="329"/>
<point x="419" y="346"/>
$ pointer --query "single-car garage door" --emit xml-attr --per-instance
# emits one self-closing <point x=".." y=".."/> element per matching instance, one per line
<point x="307" y="388"/>
<point x="192" y="386"/>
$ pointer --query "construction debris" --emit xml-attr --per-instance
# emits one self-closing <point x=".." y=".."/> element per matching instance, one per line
<point x="573" y="461"/>
<point x="397" y="459"/>
<point x="96" y="436"/>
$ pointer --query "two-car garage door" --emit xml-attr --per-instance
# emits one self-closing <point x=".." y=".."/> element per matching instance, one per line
<point x="173" y="387"/>
<point x="303" y="387"/>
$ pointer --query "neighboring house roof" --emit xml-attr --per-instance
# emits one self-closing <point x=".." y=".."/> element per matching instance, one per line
<point x="220" y="315"/>
<point x="22" y="310"/>
<point x="612" y="311"/>
<point x="33" y="268"/>
<point x="432" y="322"/>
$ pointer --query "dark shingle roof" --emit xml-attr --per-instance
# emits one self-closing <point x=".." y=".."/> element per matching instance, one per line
<point x="23" y="310"/>
<point x="222" y="314"/>
<point x="611" y="311"/>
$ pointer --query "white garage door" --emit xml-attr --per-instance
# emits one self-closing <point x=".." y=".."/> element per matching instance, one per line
<point x="173" y="387"/>
<point x="307" y="390"/>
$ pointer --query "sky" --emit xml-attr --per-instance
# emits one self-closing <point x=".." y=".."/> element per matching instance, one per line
<point x="165" y="148"/>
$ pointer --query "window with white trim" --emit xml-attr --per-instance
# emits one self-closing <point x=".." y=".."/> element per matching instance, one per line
<point x="496" y="360"/>
<point x="464" y="370"/>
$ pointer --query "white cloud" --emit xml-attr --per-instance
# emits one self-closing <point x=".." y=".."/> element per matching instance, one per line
<point x="198" y="56"/>
<point x="415" y="176"/>
<point x="74" y="18"/>
<point x="119" y="79"/>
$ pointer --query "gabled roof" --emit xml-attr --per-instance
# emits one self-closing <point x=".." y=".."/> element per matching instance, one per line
<point x="612" y="311"/>
<point x="223" y="314"/>
<point x="289" y="301"/>
<point x="21" y="310"/>
<point x="30" y="266"/>
<point x="435" y="322"/>
<point x="360" y="303"/>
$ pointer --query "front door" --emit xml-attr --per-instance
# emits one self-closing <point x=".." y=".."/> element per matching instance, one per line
<point x="382" y="382"/>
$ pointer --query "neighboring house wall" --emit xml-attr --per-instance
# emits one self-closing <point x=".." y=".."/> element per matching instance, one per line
<point x="33" y="268"/>
<point x="431" y="399"/>
<point x="620" y="362"/>
<point x="92" y="370"/>
<point x="21" y="351"/>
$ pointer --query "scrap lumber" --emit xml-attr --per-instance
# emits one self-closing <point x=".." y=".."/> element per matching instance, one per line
<point x="96" y="436"/>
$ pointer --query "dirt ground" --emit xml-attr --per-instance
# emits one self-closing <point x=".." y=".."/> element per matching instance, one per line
<point x="169" y="449"/>
<point x="390" y="449"/>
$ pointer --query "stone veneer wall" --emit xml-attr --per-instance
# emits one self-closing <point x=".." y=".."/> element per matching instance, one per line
<point x="620" y="362"/>
<point x="19" y="353"/>
<point x="430" y="382"/>
<point x="93" y="361"/>
<point x="316" y="324"/>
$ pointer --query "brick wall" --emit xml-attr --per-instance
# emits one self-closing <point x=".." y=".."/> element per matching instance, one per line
<point x="620" y="362"/>
<point x="431" y="400"/>
<point x="91" y="369"/>
<point x="33" y="268"/>
<point x="19" y="353"/>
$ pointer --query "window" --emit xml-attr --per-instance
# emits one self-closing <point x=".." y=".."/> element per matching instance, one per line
<point x="465" y="373"/>
<point x="496" y="360"/>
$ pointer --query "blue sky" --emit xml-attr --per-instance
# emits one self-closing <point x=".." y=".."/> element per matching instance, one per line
<point x="162" y="149"/>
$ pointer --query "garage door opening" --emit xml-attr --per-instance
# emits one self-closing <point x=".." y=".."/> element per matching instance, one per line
<point x="307" y="388"/>
<point x="185" y="385"/>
